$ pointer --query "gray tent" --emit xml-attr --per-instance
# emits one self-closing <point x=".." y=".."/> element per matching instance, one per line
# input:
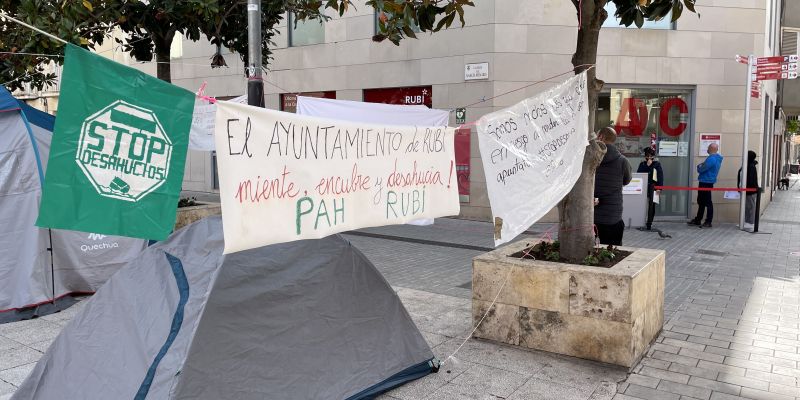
<point x="39" y="267"/>
<point x="311" y="319"/>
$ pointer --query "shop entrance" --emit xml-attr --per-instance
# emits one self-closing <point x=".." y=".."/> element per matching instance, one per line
<point x="659" y="118"/>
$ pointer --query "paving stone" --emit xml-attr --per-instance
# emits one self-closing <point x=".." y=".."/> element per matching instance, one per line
<point x="548" y="390"/>
<point x="743" y="381"/>
<point x="685" y="390"/>
<point x="690" y="361"/>
<point x="484" y="380"/>
<point x="684" y="344"/>
<point x="748" y="364"/>
<point x="643" y="380"/>
<point x="665" y="375"/>
<point x="774" y="378"/>
<point x="728" y="352"/>
<point x="17" y="356"/>
<point x="788" y="390"/>
<point x="650" y="394"/>
<point x="725" y="396"/>
<point x="715" y="385"/>
<point x="16" y="375"/>
<point x="701" y="355"/>
<point x="618" y="396"/>
<point x="694" y="371"/>
<point x="723" y="368"/>
<point x="763" y="395"/>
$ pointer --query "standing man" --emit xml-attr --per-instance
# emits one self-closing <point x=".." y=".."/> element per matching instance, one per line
<point x="751" y="183"/>
<point x="613" y="173"/>
<point x="655" y="177"/>
<point x="707" y="176"/>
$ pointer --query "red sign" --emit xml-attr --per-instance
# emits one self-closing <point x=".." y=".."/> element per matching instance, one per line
<point x="755" y="89"/>
<point x="420" y="95"/>
<point x="776" y="60"/>
<point x="774" y="75"/>
<point x="632" y="117"/>
<point x="462" y="148"/>
<point x="664" y="116"/>
<point x="289" y="100"/>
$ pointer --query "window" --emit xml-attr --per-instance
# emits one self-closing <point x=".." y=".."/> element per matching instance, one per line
<point x="306" y="32"/>
<point x="613" y="22"/>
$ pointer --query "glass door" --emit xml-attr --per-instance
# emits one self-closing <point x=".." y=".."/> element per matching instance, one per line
<point x="659" y="118"/>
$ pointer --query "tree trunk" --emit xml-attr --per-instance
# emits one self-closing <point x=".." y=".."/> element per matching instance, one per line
<point x="576" y="210"/>
<point x="163" y="45"/>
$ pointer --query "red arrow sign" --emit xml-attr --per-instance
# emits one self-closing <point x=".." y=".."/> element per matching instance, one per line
<point x="774" y="75"/>
<point x="773" y="60"/>
<point x="766" y="76"/>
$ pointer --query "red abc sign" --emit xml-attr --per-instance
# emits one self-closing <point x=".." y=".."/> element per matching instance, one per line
<point x="632" y="118"/>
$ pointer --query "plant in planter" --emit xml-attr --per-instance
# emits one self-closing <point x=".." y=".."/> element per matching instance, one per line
<point x="604" y="257"/>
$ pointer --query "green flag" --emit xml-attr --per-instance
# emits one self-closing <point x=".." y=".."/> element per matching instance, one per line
<point x="118" y="150"/>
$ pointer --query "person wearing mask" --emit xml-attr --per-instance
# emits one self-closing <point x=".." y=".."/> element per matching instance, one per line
<point x="655" y="177"/>
<point x="752" y="183"/>
<point x="612" y="174"/>
<point x="707" y="176"/>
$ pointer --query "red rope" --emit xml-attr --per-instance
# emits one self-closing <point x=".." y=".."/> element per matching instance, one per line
<point x="706" y="189"/>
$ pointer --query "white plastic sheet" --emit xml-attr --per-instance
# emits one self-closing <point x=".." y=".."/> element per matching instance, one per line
<point x="532" y="155"/>
<point x="378" y="113"/>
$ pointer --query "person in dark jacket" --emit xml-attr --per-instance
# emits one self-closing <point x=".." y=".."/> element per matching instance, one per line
<point x="613" y="173"/>
<point x="752" y="183"/>
<point x="655" y="177"/>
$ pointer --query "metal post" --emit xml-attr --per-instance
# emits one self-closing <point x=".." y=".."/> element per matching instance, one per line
<point x="742" y="195"/>
<point x="255" y="82"/>
<point x="758" y="210"/>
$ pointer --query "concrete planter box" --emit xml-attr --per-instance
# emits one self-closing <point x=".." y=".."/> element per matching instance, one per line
<point x="610" y="315"/>
<point x="187" y="215"/>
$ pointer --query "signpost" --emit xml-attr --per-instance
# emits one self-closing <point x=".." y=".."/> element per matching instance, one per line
<point x="761" y="69"/>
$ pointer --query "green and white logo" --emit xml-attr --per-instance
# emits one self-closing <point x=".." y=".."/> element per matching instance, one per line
<point x="124" y="151"/>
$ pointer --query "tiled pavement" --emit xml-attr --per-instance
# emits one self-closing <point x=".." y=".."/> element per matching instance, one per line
<point x="732" y="302"/>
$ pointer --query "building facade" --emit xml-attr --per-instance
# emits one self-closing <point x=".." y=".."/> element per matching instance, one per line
<point x="675" y="86"/>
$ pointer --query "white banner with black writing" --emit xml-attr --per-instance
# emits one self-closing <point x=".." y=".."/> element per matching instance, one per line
<point x="287" y="177"/>
<point x="532" y="155"/>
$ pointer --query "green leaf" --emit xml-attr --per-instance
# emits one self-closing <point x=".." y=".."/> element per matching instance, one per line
<point x="639" y="19"/>
<point x="677" y="8"/>
<point x="88" y="5"/>
<point x="409" y="32"/>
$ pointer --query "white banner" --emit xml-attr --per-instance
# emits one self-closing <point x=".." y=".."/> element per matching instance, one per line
<point x="201" y="135"/>
<point x="287" y="177"/>
<point x="532" y="155"/>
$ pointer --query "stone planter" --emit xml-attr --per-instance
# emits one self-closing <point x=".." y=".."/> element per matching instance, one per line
<point x="604" y="314"/>
<point x="187" y="215"/>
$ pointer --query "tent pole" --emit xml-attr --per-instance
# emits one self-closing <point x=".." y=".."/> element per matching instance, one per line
<point x="52" y="267"/>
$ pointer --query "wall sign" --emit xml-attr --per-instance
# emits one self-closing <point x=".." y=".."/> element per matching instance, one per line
<point x="409" y="96"/>
<point x="476" y="71"/>
<point x="707" y="140"/>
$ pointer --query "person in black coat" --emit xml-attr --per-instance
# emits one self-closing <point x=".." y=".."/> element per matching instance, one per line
<point x="612" y="174"/>
<point x="752" y="183"/>
<point x="655" y="177"/>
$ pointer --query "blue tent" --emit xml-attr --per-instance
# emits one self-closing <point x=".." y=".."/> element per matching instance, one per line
<point x="32" y="277"/>
<point x="311" y="319"/>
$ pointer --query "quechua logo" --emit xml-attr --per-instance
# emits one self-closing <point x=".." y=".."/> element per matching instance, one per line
<point x="124" y="151"/>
